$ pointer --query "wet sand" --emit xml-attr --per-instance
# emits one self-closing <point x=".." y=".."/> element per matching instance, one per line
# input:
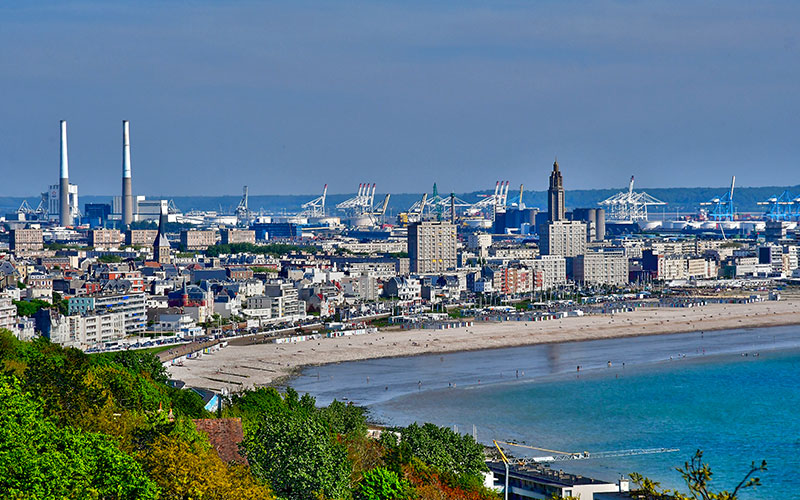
<point x="239" y="367"/>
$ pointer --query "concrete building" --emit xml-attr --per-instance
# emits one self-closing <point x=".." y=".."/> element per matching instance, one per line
<point x="230" y="236"/>
<point x="601" y="268"/>
<point x="533" y="481"/>
<point x="280" y="300"/>
<point x="563" y="237"/>
<point x="403" y="288"/>
<point x="432" y="247"/>
<point x="8" y="314"/>
<point x="194" y="239"/>
<point x="21" y="240"/>
<point x="105" y="238"/>
<point x="553" y="270"/>
<point x="130" y="305"/>
<point x="556" y="199"/>
<point x="479" y="243"/>
<point x="513" y="280"/>
<point x="141" y="237"/>
<point x="595" y="219"/>
<point x="96" y="328"/>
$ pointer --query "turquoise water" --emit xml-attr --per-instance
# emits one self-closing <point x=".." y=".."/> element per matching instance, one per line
<point x="686" y="391"/>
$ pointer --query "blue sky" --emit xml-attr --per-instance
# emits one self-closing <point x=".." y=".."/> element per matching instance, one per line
<point x="287" y="96"/>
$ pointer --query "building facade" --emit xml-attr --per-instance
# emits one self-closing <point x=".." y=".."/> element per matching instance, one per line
<point x="432" y="247"/>
<point x="231" y="236"/>
<point x="601" y="268"/>
<point x="194" y="239"/>
<point x="563" y="237"/>
<point x="25" y="240"/>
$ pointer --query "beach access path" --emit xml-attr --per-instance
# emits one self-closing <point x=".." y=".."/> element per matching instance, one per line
<point x="237" y="367"/>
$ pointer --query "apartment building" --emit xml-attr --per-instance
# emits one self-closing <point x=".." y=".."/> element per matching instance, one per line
<point x="432" y="247"/>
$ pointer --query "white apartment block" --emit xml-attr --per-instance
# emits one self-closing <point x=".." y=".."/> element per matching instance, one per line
<point x="553" y="269"/>
<point x="563" y="237"/>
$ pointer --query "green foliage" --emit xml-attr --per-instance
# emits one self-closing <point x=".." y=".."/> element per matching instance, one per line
<point x="445" y="450"/>
<point x="344" y="419"/>
<point x="292" y="448"/>
<point x="109" y="258"/>
<point x="139" y="362"/>
<point x="261" y="269"/>
<point x="697" y="476"/>
<point x="30" y="307"/>
<point x="61" y="303"/>
<point x="382" y="484"/>
<point x="40" y="460"/>
<point x="276" y="249"/>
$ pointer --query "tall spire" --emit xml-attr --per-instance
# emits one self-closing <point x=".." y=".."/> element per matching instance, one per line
<point x="555" y="195"/>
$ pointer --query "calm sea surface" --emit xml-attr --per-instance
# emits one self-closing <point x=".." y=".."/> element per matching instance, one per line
<point x="734" y="394"/>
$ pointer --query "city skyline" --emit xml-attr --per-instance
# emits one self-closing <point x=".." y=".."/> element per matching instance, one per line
<point x="342" y="92"/>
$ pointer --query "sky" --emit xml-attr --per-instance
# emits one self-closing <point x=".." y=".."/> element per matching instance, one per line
<point x="288" y="96"/>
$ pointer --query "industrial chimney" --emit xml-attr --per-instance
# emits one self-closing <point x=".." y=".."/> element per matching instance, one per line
<point x="64" y="214"/>
<point x="127" y="195"/>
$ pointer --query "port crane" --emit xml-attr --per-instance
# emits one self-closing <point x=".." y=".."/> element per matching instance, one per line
<point x="723" y="205"/>
<point x="316" y="207"/>
<point x="564" y="456"/>
<point x="629" y="206"/>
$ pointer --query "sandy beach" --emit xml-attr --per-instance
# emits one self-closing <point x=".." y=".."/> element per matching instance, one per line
<point x="239" y="367"/>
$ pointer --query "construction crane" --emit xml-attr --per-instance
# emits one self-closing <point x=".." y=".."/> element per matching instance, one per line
<point x="564" y="456"/>
<point x="629" y="206"/>
<point x="315" y="207"/>
<point x="724" y="208"/>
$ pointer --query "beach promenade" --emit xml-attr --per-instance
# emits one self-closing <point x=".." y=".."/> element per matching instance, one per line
<point x="238" y="367"/>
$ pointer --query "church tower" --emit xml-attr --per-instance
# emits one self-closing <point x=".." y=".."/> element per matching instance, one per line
<point x="555" y="195"/>
<point x="161" y="247"/>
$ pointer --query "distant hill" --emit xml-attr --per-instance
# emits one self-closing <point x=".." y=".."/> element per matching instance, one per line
<point x="677" y="199"/>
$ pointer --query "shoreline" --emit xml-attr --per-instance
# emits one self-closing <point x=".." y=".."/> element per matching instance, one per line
<point x="238" y="367"/>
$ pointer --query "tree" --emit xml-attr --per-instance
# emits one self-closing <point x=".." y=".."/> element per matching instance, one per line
<point x="345" y="418"/>
<point x="382" y="484"/>
<point x="444" y="449"/>
<point x="187" y="470"/>
<point x="40" y="460"/>
<point x="294" y="451"/>
<point x="697" y="476"/>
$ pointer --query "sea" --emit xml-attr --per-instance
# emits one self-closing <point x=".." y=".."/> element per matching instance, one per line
<point x="733" y="394"/>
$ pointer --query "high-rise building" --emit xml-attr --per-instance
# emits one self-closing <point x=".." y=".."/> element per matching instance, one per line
<point x="555" y="195"/>
<point x="563" y="237"/>
<point x="432" y="246"/>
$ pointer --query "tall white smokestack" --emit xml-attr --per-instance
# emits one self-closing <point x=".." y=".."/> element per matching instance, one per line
<point x="64" y="215"/>
<point x="127" y="194"/>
